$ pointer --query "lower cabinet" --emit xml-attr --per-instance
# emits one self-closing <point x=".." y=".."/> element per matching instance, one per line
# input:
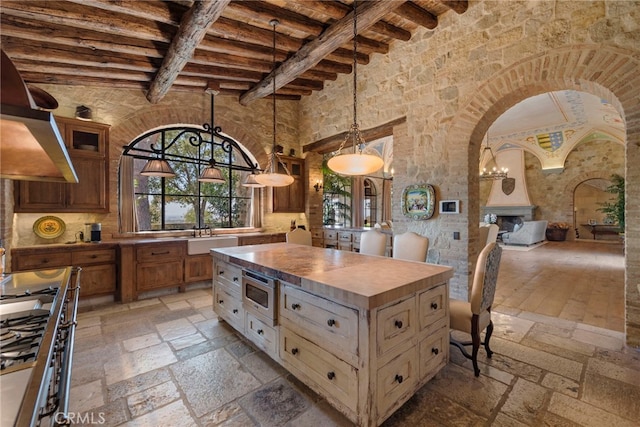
<point x="159" y="265"/>
<point x="198" y="268"/>
<point x="98" y="262"/>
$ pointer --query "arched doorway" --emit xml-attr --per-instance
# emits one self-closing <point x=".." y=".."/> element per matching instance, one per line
<point x="542" y="74"/>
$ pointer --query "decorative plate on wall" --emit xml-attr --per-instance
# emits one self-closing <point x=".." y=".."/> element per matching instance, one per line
<point x="49" y="227"/>
<point x="418" y="201"/>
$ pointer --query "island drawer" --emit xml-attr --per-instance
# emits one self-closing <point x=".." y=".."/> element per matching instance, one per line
<point x="434" y="352"/>
<point x="432" y="306"/>
<point x="396" y="379"/>
<point x="337" y="378"/>
<point x="325" y="321"/>
<point x="229" y="274"/>
<point x="395" y="324"/>
<point x="262" y="335"/>
<point x="228" y="306"/>
<point x="42" y="260"/>
<point x="101" y="256"/>
<point x="330" y="235"/>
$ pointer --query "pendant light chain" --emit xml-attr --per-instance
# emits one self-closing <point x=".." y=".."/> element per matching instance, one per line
<point x="274" y="22"/>
<point x="355" y="64"/>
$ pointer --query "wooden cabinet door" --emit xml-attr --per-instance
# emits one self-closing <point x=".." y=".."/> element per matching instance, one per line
<point x="89" y="194"/>
<point x="35" y="196"/>
<point x="198" y="268"/>
<point x="98" y="280"/>
<point x="161" y="275"/>
<point x="291" y="197"/>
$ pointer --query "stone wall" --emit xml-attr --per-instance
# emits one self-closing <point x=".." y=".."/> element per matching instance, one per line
<point x="451" y="84"/>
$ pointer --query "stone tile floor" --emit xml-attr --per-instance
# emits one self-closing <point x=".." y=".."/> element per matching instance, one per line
<point x="168" y="361"/>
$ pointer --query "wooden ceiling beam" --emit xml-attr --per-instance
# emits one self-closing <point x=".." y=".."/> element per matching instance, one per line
<point x="313" y="52"/>
<point x="332" y="143"/>
<point x="459" y="6"/>
<point x="411" y="11"/>
<point x="192" y="30"/>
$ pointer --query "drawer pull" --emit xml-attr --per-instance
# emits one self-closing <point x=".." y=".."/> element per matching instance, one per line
<point x="295" y="306"/>
<point x="235" y="279"/>
<point x="260" y="332"/>
<point x="434" y="305"/>
<point x="221" y="301"/>
<point x="331" y="322"/>
<point x="235" y="311"/>
<point x="399" y="378"/>
<point x="94" y="256"/>
<point x="398" y="324"/>
<point x="294" y="351"/>
<point x="331" y="375"/>
<point x="221" y="273"/>
<point x="160" y="253"/>
<point x="435" y="351"/>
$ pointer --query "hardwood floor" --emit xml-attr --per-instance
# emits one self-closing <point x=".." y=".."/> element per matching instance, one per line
<point x="581" y="281"/>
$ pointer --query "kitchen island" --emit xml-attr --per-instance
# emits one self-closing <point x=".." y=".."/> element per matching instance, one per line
<point x="364" y="332"/>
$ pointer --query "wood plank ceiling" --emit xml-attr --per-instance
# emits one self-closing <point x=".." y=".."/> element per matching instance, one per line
<point x="225" y="45"/>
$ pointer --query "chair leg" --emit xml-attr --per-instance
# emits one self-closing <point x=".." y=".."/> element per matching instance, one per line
<point x="475" y="339"/>
<point x="487" y="338"/>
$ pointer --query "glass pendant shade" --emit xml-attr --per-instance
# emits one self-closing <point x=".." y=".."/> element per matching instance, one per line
<point x="355" y="164"/>
<point x="250" y="181"/>
<point x="273" y="179"/>
<point x="158" y="167"/>
<point x="212" y="174"/>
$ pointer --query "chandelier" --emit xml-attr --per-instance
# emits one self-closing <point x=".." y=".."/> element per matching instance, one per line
<point x="270" y="177"/>
<point x="491" y="171"/>
<point x="357" y="163"/>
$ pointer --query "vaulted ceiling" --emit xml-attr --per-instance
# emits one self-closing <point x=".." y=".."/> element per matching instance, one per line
<point x="223" y="45"/>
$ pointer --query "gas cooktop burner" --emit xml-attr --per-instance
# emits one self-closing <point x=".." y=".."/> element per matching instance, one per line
<point x="20" y="337"/>
<point x="27" y="293"/>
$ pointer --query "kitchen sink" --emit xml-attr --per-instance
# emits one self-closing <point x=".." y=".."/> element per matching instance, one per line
<point x="201" y="245"/>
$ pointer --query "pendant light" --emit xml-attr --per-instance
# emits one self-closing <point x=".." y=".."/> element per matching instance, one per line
<point x="271" y="177"/>
<point x="212" y="173"/>
<point x="158" y="167"/>
<point x="357" y="163"/>
<point x="250" y="181"/>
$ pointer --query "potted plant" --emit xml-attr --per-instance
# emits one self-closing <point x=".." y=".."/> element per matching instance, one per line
<point x="557" y="231"/>
<point x="615" y="210"/>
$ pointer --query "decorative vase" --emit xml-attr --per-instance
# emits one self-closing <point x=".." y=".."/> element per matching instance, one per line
<point x="556" y="234"/>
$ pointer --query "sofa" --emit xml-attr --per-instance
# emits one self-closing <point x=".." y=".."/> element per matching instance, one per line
<point x="528" y="233"/>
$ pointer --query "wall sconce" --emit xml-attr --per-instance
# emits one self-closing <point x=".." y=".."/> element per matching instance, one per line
<point x="84" y="113"/>
<point x="318" y="186"/>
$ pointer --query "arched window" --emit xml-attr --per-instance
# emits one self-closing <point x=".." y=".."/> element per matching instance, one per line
<point x="183" y="202"/>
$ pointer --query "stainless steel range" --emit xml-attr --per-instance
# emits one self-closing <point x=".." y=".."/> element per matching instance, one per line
<point x="37" y="326"/>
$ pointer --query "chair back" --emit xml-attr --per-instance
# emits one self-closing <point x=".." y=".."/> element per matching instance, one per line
<point x="488" y="234"/>
<point x="410" y="246"/>
<point x="373" y="242"/>
<point x="299" y="236"/>
<point x="485" y="278"/>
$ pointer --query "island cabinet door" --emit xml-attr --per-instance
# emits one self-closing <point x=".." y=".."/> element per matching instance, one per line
<point x="334" y="379"/>
<point x="321" y="320"/>
<point x="396" y="380"/>
<point x="263" y="336"/>
<point x="434" y="351"/>
<point x="433" y="305"/>
<point x="228" y="305"/>
<point x="395" y="324"/>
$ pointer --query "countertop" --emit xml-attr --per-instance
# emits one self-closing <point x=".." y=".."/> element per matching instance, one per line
<point x="364" y="281"/>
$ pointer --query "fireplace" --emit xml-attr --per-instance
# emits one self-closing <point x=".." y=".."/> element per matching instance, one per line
<point x="509" y="216"/>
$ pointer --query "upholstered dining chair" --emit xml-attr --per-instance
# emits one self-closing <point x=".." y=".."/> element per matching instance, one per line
<point x="488" y="234"/>
<point x="410" y="246"/>
<point x="475" y="316"/>
<point x="373" y="242"/>
<point x="299" y="236"/>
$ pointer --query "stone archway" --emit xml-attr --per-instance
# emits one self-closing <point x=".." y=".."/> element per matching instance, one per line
<point x="605" y="71"/>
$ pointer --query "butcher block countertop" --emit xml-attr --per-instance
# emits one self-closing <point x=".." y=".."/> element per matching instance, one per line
<point x="363" y="281"/>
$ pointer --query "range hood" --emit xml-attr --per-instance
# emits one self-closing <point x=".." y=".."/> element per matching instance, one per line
<point x="31" y="147"/>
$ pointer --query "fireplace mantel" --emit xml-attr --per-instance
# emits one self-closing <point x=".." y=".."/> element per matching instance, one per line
<point x="525" y="212"/>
